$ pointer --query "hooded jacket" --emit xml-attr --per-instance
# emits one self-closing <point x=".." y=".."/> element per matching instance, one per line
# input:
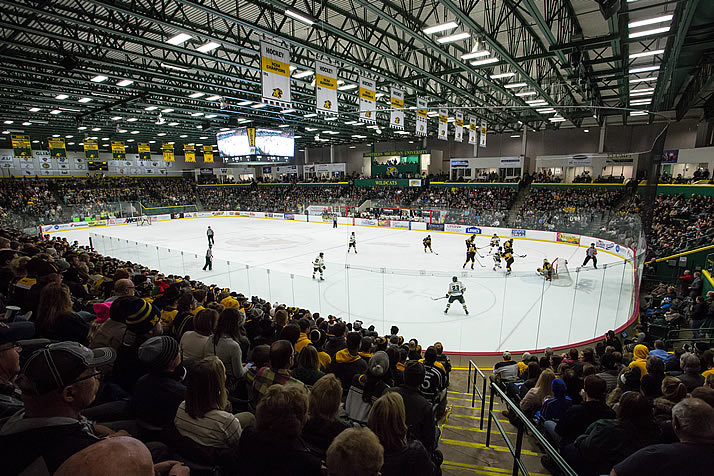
<point x="345" y="366"/>
<point x="302" y="342"/>
<point x="641" y="353"/>
<point x="554" y="408"/>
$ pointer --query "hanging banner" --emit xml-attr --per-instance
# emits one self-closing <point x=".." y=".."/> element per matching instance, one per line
<point x="421" y="116"/>
<point x="57" y="147"/>
<point x="144" y="151"/>
<point x="275" y="71"/>
<point x="443" y="124"/>
<point x="189" y="153"/>
<point x="167" y="151"/>
<point x="21" y="146"/>
<point x="326" y="87"/>
<point x="396" y="116"/>
<point x="118" y="150"/>
<point x="482" y="137"/>
<point x="459" y="124"/>
<point x="91" y="149"/>
<point x="473" y="130"/>
<point x="367" y="100"/>
<point x="208" y="154"/>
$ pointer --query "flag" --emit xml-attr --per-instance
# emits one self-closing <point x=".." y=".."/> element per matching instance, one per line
<point x="443" y="124"/>
<point x="459" y="124"/>
<point x="21" y="146"/>
<point x="326" y="87"/>
<point x="91" y="149"/>
<point x="275" y="72"/>
<point x="484" y="131"/>
<point x="118" y="150"/>
<point x="421" y="116"/>
<point x="168" y="152"/>
<point x="208" y="154"/>
<point x="57" y="147"/>
<point x="189" y="153"/>
<point x="144" y="151"/>
<point x="473" y="130"/>
<point x="396" y="114"/>
<point x="367" y="100"/>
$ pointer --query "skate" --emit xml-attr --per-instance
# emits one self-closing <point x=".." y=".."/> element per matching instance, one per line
<point x="313" y="276"/>
<point x="464" y="266"/>
<point x="472" y="266"/>
<point x="446" y="311"/>
<point x="321" y="278"/>
<point x="466" y="311"/>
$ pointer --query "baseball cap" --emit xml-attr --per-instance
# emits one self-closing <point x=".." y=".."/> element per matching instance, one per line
<point x="58" y="365"/>
<point x="15" y="331"/>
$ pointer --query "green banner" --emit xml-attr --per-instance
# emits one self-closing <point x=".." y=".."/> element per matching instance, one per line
<point x="144" y="151"/>
<point x="388" y="183"/>
<point x="91" y="149"/>
<point x="57" y="148"/>
<point x="118" y="150"/>
<point x="21" y="146"/>
<point x="395" y="153"/>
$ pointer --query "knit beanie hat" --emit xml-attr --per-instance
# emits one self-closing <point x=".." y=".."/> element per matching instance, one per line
<point x="139" y="315"/>
<point x="158" y="351"/>
<point x="379" y="363"/>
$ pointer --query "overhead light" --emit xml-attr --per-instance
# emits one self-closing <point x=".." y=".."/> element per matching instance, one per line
<point x="526" y="93"/>
<point x="55" y="135"/>
<point x="439" y="28"/>
<point x="55" y="111"/>
<point x="35" y="109"/>
<point x="347" y="87"/>
<point x="174" y="67"/>
<point x="515" y="85"/>
<point x="331" y="118"/>
<point x="540" y="103"/>
<point x="70" y="143"/>
<point x="475" y="54"/>
<point x="196" y="95"/>
<point x="151" y="108"/>
<point x="211" y="116"/>
<point x="206" y="47"/>
<point x="130" y="140"/>
<point x="546" y="110"/>
<point x="183" y="136"/>
<point x="61" y="96"/>
<point x="259" y="106"/>
<point x="515" y="136"/>
<point x="178" y="39"/>
<point x="99" y="78"/>
<point x="132" y="119"/>
<point x="26" y="123"/>
<point x="655" y="31"/>
<point x="161" y="134"/>
<point x="197" y="114"/>
<point x="173" y="124"/>
<point x="85" y="100"/>
<point x="213" y="98"/>
<point x="349" y="123"/>
<point x="638" y="113"/>
<point x="116" y="118"/>
<point x="299" y="17"/>
<point x="125" y="82"/>
<point x="557" y="119"/>
<point x="165" y="111"/>
<point x="640" y="102"/>
<point x="641" y="90"/>
<point x="650" y="21"/>
<point x="312" y="114"/>
<point x="641" y="93"/>
<point x="452" y="38"/>
<point x="286" y="111"/>
<point x="353" y="147"/>
<point x="642" y="80"/>
<point x="35" y="141"/>
<point x="245" y="103"/>
<point x="68" y="109"/>
<point x="134" y="132"/>
<point x="644" y="54"/>
<point x="484" y="61"/>
<point x="122" y="131"/>
<point x="284" y="125"/>
<point x="8" y="122"/>
<point x="81" y="128"/>
<point x="586" y="130"/>
<point x="303" y="74"/>
<point x="310" y="129"/>
<point x="95" y="129"/>
<point x="644" y="69"/>
<point x="502" y="75"/>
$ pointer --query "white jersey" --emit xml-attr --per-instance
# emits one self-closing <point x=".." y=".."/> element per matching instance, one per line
<point x="318" y="263"/>
<point x="456" y="288"/>
<point x="495" y="241"/>
<point x="353" y="240"/>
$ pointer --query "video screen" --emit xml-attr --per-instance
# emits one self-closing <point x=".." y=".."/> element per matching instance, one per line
<point x="234" y="144"/>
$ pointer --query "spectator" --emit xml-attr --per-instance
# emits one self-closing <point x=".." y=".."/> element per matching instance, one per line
<point x="55" y="319"/>
<point x="184" y="320"/>
<point x="193" y="343"/>
<point x="651" y="383"/>
<point x="224" y="344"/>
<point x="57" y="383"/>
<point x="673" y="392"/>
<point x="691" y="377"/>
<point x="578" y="418"/>
<point x="355" y="452"/>
<point x="612" y="340"/>
<point x="281" y="361"/>
<point x="534" y="398"/>
<point x="554" y="407"/>
<point x="111" y="332"/>
<point x="303" y="340"/>
<point x="308" y="365"/>
<point x="122" y="287"/>
<point x="387" y="419"/>
<point x="348" y="363"/>
<point x="660" y="352"/>
<point x="280" y="418"/>
<point x="505" y="372"/>
<point x="420" y="420"/>
<point x="443" y="359"/>
<point x="609" y="371"/>
<point x="695" y="289"/>
<point x="699" y="315"/>
<point x="336" y="342"/>
<point x="693" y="423"/>
<point x="640" y="361"/>
<point x="323" y="424"/>
<point x="10" y="395"/>
<point x="367" y="388"/>
<point x="434" y="386"/>
<point x="158" y="394"/>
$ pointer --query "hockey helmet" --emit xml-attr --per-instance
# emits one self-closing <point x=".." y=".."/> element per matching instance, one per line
<point x="545" y="260"/>
<point x="495" y="235"/>
<point x="454" y="279"/>
<point x="322" y="254"/>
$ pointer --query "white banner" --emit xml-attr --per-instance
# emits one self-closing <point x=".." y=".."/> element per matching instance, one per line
<point x="275" y="72"/>
<point x="396" y="101"/>
<point x="367" y="100"/>
<point x="443" y="124"/>
<point x="482" y="137"/>
<point x="459" y="124"/>
<point x="421" y="119"/>
<point x="473" y="130"/>
<point x="326" y="87"/>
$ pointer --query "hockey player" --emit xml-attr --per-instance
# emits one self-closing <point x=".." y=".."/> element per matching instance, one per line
<point x="427" y="243"/>
<point x="318" y="265"/>
<point x="470" y="255"/>
<point x="495" y="243"/>
<point x="353" y="243"/>
<point x="456" y="293"/>
<point x="547" y="270"/>
<point x="591" y="255"/>
<point x="497" y="259"/>
<point x="470" y="240"/>
<point x="508" y="246"/>
<point x="508" y="256"/>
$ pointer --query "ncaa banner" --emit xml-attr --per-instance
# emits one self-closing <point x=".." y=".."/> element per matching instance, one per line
<point x="21" y="146"/>
<point x="396" y="115"/>
<point x="275" y="72"/>
<point x="167" y="151"/>
<point x="118" y="150"/>
<point x="57" y="147"/>
<point x="91" y="149"/>
<point x="421" y="116"/>
<point x="473" y="130"/>
<point x="443" y="124"/>
<point x="484" y="131"/>
<point x="367" y="100"/>
<point x="144" y="151"/>
<point x="326" y="87"/>
<point x="459" y="123"/>
<point x="189" y="153"/>
<point x="208" y="154"/>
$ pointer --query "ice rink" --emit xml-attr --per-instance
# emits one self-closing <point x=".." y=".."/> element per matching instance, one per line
<point x="391" y="281"/>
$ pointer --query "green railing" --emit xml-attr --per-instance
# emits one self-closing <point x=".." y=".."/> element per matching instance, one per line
<point x="473" y="388"/>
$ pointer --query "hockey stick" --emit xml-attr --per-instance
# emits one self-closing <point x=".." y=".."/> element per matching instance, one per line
<point x="480" y="263"/>
<point x="522" y="256"/>
<point x="436" y="299"/>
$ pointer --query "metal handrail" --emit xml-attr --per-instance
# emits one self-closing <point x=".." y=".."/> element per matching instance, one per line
<point x="524" y="424"/>
<point x="475" y="390"/>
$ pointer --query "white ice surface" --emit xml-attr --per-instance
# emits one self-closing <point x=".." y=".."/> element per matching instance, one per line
<point x="391" y="281"/>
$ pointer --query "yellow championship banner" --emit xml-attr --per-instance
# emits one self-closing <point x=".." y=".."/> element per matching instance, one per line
<point x="275" y="73"/>
<point x="57" y="147"/>
<point x="482" y="136"/>
<point x="443" y="124"/>
<point x="459" y="125"/>
<point x="326" y="87"/>
<point x="118" y="150"/>
<point x="189" y="153"/>
<point x="473" y="130"/>
<point x="91" y="149"/>
<point x="367" y="100"/>
<point x="21" y="146"/>
<point x="144" y="151"/>
<point x="421" y="116"/>
<point x="208" y="154"/>
<point x="167" y="151"/>
<point x="396" y="115"/>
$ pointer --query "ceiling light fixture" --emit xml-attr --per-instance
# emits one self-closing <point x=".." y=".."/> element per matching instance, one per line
<point x="347" y="87"/>
<point x="284" y="125"/>
<point x="642" y="80"/>
<point x="179" y="39"/>
<point x="35" y="109"/>
<point x="209" y="46"/>
<point x="640" y="102"/>
<point x="644" y="69"/>
<point x="245" y="103"/>
<point x="526" y="93"/>
<point x="61" y="96"/>
<point x="655" y="31"/>
<point x="125" y="82"/>
<point x="26" y="123"/>
<point x="439" y="28"/>
<point x="213" y="98"/>
<point x="502" y="75"/>
<point x="645" y="54"/>
<point x="84" y="100"/>
<point x="116" y="118"/>
<point x="196" y="95"/>
<point x="485" y="61"/>
<point x="312" y="114"/>
<point x="134" y="132"/>
<point x="55" y="111"/>
<point x="286" y="111"/>
<point x="132" y="119"/>
<point x="99" y="78"/>
<point x="211" y="116"/>
<point x="259" y="106"/>
<point x="196" y="114"/>
<point x="174" y="67"/>
<point x="475" y="54"/>
<point x="638" y="113"/>
<point x="515" y="85"/>
<point x="151" y="108"/>
<point x="303" y="74"/>
<point x="173" y="124"/>
<point x="452" y="38"/>
<point x="650" y="21"/>
<point x="300" y="17"/>
<point x="95" y="129"/>
<point x="166" y="111"/>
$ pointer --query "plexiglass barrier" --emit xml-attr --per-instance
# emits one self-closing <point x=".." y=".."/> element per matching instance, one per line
<point x="520" y="311"/>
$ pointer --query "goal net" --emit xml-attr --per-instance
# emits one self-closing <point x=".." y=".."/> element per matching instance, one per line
<point x="143" y="220"/>
<point x="561" y="274"/>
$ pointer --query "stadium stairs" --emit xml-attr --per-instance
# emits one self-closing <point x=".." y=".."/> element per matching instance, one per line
<point x="517" y="204"/>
